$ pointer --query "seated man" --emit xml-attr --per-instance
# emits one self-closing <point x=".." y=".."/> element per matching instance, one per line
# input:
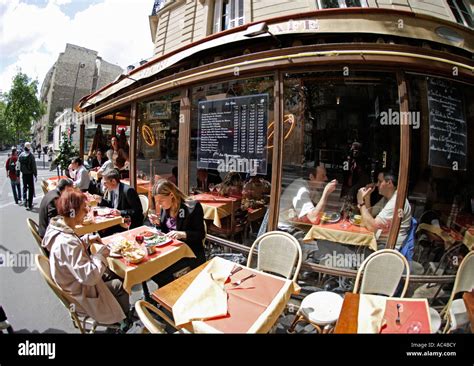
<point x="379" y="217"/>
<point x="79" y="174"/>
<point x="48" y="208"/>
<point x="301" y="196"/>
<point x="122" y="198"/>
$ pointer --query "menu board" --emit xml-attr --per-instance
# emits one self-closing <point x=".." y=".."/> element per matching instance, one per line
<point x="233" y="134"/>
<point x="448" y="130"/>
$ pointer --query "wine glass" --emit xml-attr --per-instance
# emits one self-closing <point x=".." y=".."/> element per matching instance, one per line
<point x="139" y="239"/>
<point x="153" y="217"/>
<point x="211" y="188"/>
<point x="127" y="220"/>
<point x="414" y="327"/>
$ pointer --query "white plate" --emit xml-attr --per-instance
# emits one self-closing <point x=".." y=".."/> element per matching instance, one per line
<point x="159" y="244"/>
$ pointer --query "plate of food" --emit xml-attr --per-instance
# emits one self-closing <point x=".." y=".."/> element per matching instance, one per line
<point x="330" y="217"/>
<point x="134" y="256"/>
<point x="157" y="240"/>
<point x="355" y="220"/>
<point x="117" y="249"/>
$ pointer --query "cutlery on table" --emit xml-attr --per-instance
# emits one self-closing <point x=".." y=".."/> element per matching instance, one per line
<point x="239" y="282"/>
<point x="398" y="321"/>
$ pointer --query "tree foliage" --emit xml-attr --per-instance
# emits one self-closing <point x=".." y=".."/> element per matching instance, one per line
<point x="67" y="151"/>
<point x="22" y="107"/>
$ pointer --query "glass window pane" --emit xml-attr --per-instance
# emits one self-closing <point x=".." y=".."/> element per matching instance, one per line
<point x="229" y="126"/>
<point x="441" y="188"/>
<point x="335" y="144"/>
<point x="157" y="140"/>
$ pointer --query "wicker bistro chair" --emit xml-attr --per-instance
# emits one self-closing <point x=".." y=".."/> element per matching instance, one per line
<point x="44" y="186"/>
<point x="144" y="308"/>
<point x="34" y="230"/>
<point x="278" y="253"/>
<point x="84" y="323"/>
<point x="381" y="273"/>
<point x="145" y="204"/>
<point x="455" y="312"/>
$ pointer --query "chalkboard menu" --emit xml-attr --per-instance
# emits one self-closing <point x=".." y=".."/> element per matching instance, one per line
<point x="448" y="130"/>
<point x="233" y="134"/>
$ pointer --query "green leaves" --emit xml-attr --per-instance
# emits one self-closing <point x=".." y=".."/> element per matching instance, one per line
<point x="67" y="151"/>
<point x="22" y="107"/>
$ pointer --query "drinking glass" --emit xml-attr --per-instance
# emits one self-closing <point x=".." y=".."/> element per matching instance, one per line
<point x="127" y="220"/>
<point x="152" y="216"/>
<point x="139" y="239"/>
<point x="414" y="327"/>
<point x="211" y="188"/>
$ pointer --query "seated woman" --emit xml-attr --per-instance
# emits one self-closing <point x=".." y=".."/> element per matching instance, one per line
<point x="75" y="271"/>
<point x="122" y="164"/>
<point x="231" y="185"/>
<point x="181" y="219"/>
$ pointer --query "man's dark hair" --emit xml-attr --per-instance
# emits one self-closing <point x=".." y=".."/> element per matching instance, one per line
<point x="78" y="161"/>
<point x="113" y="175"/>
<point x="390" y="176"/>
<point x="13" y="151"/>
<point x="63" y="183"/>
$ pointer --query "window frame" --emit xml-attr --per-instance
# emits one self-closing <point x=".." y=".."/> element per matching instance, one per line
<point x="342" y="4"/>
<point x="454" y="6"/>
<point x="235" y="7"/>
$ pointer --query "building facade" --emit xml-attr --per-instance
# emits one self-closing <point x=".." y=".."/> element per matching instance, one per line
<point x="312" y="91"/>
<point x="78" y="71"/>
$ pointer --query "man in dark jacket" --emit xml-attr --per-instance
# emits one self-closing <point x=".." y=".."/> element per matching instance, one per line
<point x="47" y="208"/>
<point x="28" y="171"/>
<point x="122" y="198"/>
<point x="14" y="176"/>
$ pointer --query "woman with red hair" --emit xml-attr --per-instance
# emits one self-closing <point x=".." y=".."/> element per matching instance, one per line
<point x="78" y="273"/>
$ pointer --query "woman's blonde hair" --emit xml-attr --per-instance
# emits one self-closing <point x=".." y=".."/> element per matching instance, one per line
<point x="165" y="187"/>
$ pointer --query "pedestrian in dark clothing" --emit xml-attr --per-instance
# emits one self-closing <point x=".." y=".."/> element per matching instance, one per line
<point x="14" y="174"/>
<point x="28" y="171"/>
<point x="48" y="208"/>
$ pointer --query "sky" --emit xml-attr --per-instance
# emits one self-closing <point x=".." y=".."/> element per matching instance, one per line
<point x="34" y="32"/>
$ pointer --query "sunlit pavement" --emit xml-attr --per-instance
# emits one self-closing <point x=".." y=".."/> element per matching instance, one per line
<point x="30" y="305"/>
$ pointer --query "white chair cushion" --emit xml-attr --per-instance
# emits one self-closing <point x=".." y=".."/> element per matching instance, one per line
<point x="435" y="320"/>
<point x="322" y="307"/>
<point x="458" y="314"/>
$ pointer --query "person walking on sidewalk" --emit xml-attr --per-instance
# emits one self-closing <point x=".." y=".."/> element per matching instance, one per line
<point x="14" y="176"/>
<point x="28" y="171"/>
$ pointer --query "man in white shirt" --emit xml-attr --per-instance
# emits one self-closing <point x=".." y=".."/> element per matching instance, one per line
<point x="306" y="197"/>
<point x="79" y="174"/>
<point x="380" y="216"/>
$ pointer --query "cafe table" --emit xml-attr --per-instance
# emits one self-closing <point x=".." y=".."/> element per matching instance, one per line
<point x="348" y="234"/>
<point x="99" y="222"/>
<point x="52" y="182"/>
<point x="143" y="186"/>
<point x="151" y="265"/>
<point x="411" y="311"/>
<point x="217" y="207"/>
<point x="252" y="307"/>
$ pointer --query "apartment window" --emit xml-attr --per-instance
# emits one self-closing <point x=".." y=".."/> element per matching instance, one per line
<point x="461" y="12"/>
<point x="228" y="14"/>
<point x="328" y="4"/>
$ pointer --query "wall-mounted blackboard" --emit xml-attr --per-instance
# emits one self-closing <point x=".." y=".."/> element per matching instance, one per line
<point x="233" y="134"/>
<point x="448" y="130"/>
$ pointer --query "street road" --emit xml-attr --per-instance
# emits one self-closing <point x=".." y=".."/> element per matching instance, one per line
<point x="29" y="303"/>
